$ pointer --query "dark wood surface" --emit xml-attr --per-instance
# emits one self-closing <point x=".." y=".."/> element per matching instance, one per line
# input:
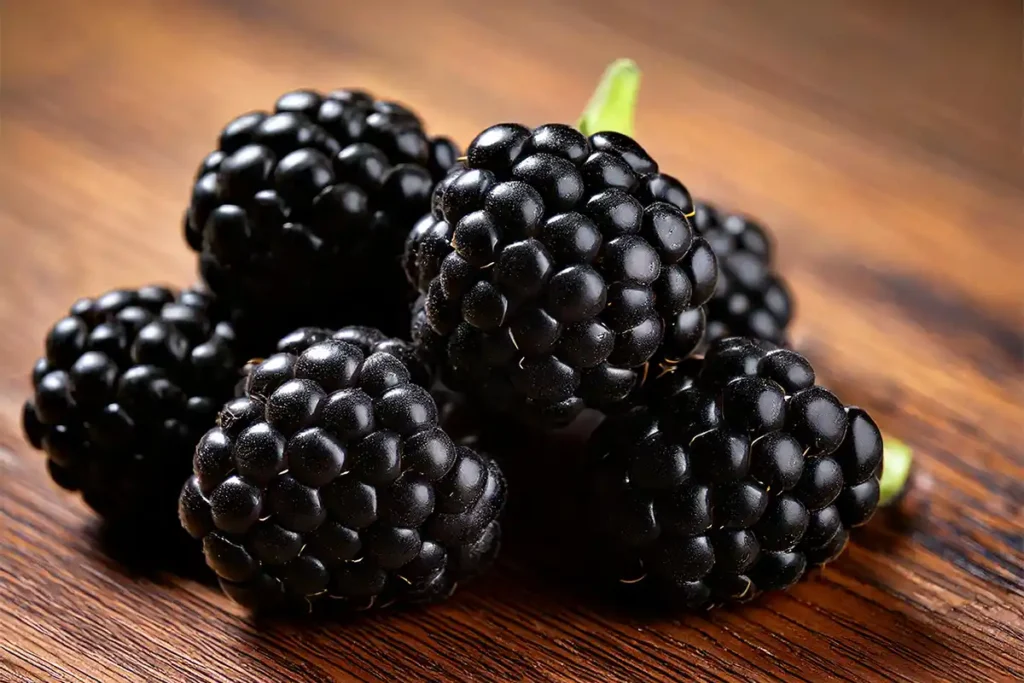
<point x="879" y="138"/>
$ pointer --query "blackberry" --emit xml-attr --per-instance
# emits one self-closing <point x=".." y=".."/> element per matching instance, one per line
<point x="130" y="381"/>
<point x="751" y="299"/>
<point x="738" y="475"/>
<point x="553" y="266"/>
<point x="299" y="215"/>
<point x="328" y="477"/>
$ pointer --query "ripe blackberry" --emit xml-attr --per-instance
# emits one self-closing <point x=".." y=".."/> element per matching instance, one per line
<point x="299" y="215"/>
<point x="751" y="299"/>
<point x="330" y="478"/>
<point x="738" y="475"/>
<point x="553" y="266"/>
<point x="129" y="382"/>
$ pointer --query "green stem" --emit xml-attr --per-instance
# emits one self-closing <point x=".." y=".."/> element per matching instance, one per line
<point x="896" y="462"/>
<point x="613" y="103"/>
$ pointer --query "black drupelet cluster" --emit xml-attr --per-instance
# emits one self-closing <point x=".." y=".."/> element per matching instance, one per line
<point x="751" y="299"/>
<point x="301" y="214"/>
<point x="553" y="267"/>
<point x="738" y="475"/>
<point x="555" y="271"/>
<point x="129" y="382"/>
<point x="329" y="478"/>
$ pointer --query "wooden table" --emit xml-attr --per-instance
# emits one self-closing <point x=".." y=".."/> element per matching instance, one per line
<point x="880" y="139"/>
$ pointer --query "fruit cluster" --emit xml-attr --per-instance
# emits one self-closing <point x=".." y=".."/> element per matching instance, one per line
<point x="291" y="406"/>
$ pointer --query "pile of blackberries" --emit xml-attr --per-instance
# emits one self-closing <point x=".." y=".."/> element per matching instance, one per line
<point x="285" y="410"/>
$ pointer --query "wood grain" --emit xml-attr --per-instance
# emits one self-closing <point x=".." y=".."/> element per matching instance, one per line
<point x="879" y="138"/>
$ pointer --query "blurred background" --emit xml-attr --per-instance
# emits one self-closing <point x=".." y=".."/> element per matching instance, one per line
<point x="878" y="139"/>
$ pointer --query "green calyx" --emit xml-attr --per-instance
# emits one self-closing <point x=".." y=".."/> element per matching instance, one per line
<point x="896" y="460"/>
<point x="613" y="103"/>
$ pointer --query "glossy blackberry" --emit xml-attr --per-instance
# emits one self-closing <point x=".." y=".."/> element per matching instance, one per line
<point x="329" y="481"/>
<point x="300" y="214"/>
<point x="553" y="266"/>
<point x="130" y="381"/>
<point x="738" y="475"/>
<point x="751" y="299"/>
